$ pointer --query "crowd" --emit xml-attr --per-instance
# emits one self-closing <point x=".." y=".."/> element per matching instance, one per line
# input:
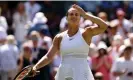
<point x="26" y="34"/>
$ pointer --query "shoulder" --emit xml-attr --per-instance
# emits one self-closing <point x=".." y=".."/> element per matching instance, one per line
<point x="119" y="60"/>
<point x="60" y="35"/>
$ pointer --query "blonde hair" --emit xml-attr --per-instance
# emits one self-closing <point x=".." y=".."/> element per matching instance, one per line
<point x="10" y="39"/>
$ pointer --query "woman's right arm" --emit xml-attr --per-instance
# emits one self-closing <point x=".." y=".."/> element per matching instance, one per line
<point x="46" y="59"/>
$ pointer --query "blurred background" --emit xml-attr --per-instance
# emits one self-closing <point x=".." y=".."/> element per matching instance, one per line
<point x="27" y="29"/>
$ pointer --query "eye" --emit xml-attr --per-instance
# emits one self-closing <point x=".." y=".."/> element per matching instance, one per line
<point x="71" y="14"/>
<point x="76" y="14"/>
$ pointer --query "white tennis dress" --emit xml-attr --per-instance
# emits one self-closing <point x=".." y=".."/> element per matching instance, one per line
<point x="74" y="51"/>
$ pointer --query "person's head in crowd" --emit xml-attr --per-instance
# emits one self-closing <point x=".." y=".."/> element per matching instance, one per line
<point x="32" y="2"/>
<point x="130" y="36"/>
<point x="98" y="76"/>
<point x="127" y="53"/>
<point x="26" y="50"/>
<point x="21" y="7"/>
<point x="40" y="18"/>
<point x="43" y="32"/>
<point x="11" y="39"/>
<point x="34" y="37"/>
<point x="102" y="49"/>
<point x="120" y="14"/>
<point x="113" y="27"/>
<point x="3" y="35"/>
<point x="117" y="40"/>
<point x="103" y="16"/>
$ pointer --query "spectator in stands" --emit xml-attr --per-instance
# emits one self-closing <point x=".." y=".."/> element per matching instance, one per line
<point x="39" y="22"/>
<point x="102" y="63"/>
<point x="45" y="38"/>
<point x="124" y="25"/>
<point x="122" y="68"/>
<point x="115" y="45"/>
<point x="34" y="42"/>
<point x="3" y="22"/>
<point x="3" y="36"/>
<point x="32" y="8"/>
<point x="9" y="55"/>
<point x="20" y="20"/>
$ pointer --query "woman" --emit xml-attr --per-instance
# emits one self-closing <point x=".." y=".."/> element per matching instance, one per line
<point x="74" y="64"/>
<point x="103" y="62"/>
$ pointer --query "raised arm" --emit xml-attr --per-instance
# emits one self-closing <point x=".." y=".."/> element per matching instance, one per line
<point x="96" y="29"/>
<point x="46" y="59"/>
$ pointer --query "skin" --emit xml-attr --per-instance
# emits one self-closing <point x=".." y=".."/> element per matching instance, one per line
<point x="73" y="19"/>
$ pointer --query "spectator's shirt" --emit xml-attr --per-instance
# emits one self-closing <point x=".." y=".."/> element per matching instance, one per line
<point x="31" y="10"/>
<point x="9" y="54"/>
<point x="3" y="22"/>
<point x="121" y="64"/>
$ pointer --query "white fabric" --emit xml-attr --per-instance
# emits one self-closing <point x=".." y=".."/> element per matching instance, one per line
<point x="3" y="33"/>
<point x="9" y="55"/>
<point x="74" y="52"/>
<point x="3" y="22"/>
<point x="19" y="22"/>
<point x="31" y="10"/>
<point x="122" y="64"/>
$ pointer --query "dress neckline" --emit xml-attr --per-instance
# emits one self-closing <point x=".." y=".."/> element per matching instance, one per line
<point x="73" y="35"/>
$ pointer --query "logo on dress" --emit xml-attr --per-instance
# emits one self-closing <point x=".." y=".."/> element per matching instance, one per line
<point x="71" y="39"/>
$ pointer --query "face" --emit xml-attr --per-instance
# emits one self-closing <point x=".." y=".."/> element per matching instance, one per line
<point x="21" y="7"/>
<point x="73" y="16"/>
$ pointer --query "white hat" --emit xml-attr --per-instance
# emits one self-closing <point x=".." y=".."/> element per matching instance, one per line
<point x="101" y="45"/>
<point x="117" y="37"/>
<point x="39" y="18"/>
<point x="121" y="49"/>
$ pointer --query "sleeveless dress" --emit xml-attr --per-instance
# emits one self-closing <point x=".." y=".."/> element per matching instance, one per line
<point x="74" y="52"/>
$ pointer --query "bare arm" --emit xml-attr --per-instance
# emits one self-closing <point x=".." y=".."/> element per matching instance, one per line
<point x="50" y="54"/>
<point x="96" y="29"/>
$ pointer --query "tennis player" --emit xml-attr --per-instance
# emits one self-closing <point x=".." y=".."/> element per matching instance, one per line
<point x="73" y="45"/>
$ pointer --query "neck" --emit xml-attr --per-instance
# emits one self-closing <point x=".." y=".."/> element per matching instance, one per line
<point x="72" y="30"/>
<point x="127" y="57"/>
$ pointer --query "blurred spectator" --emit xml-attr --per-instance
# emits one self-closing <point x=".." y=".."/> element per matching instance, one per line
<point x="45" y="38"/>
<point x="131" y="21"/>
<point x="20" y="20"/>
<point x="44" y="71"/>
<point x="39" y="22"/>
<point x="103" y="16"/>
<point x="114" y="48"/>
<point x="25" y="57"/>
<point x="3" y="22"/>
<point x="55" y="64"/>
<point x="9" y="55"/>
<point x="34" y="42"/>
<point x="32" y="8"/>
<point x="122" y="68"/>
<point x="3" y="36"/>
<point x="102" y="63"/>
<point x="124" y="25"/>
